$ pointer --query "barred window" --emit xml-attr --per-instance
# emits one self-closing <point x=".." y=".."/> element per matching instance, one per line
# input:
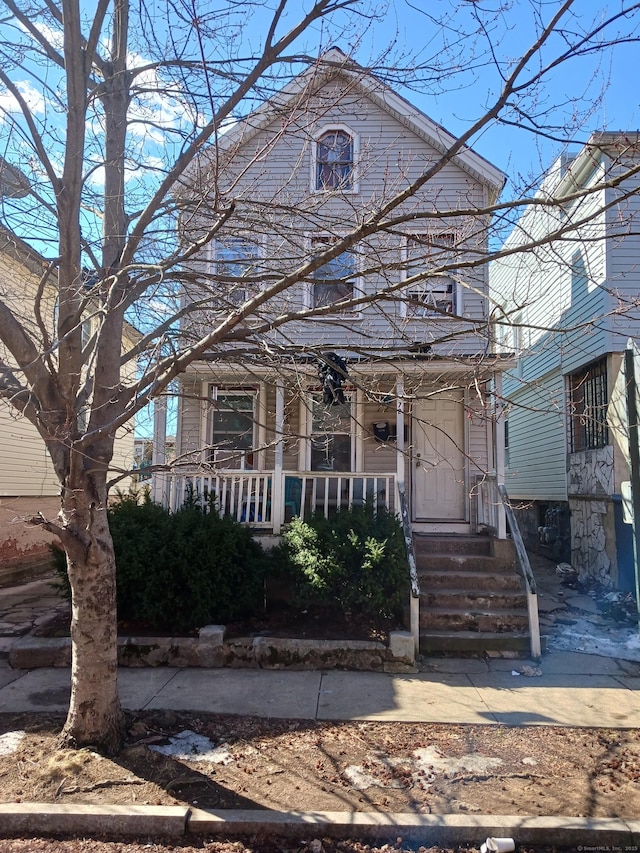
<point x="588" y="407"/>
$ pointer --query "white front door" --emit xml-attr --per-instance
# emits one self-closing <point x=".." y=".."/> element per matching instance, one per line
<point x="438" y="458"/>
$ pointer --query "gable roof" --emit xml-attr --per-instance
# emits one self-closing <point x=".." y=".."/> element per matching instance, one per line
<point x="335" y="63"/>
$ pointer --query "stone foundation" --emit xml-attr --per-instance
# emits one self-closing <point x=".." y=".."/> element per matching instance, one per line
<point x="211" y="650"/>
<point x="592" y="537"/>
<point x="590" y="486"/>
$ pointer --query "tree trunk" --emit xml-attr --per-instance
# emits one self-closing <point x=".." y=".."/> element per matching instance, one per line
<point x="94" y="718"/>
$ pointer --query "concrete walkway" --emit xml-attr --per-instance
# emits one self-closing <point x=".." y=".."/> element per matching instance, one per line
<point x="567" y="688"/>
<point x="573" y="690"/>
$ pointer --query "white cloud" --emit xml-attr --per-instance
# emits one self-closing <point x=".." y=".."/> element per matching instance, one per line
<point x="34" y="98"/>
<point x="54" y="36"/>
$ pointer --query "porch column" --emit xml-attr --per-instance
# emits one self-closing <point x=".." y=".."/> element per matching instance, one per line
<point x="277" y="493"/>
<point x="159" y="450"/>
<point x="499" y="451"/>
<point x="400" y="450"/>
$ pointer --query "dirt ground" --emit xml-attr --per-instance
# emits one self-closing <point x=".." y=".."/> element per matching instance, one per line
<point x="247" y="762"/>
<point x="255" y="844"/>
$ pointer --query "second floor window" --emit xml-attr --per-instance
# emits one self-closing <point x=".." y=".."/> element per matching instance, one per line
<point x="435" y="294"/>
<point x="588" y="407"/>
<point x="236" y="262"/>
<point x="334" y="161"/>
<point x="335" y="280"/>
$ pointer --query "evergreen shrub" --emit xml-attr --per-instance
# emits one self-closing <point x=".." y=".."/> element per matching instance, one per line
<point x="180" y="571"/>
<point x="354" y="561"/>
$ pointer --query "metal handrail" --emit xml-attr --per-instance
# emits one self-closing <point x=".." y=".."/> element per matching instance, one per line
<point x="527" y="573"/>
<point x="414" y="602"/>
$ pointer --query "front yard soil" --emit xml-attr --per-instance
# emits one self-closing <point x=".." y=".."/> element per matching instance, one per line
<point x="326" y="623"/>
<point x="260" y="763"/>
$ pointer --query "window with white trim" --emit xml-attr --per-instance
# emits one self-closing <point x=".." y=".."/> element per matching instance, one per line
<point x="434" y="294"/>
<point x="335" y="280"/>
<point x="236" y="262"/>
<point x="232" y="420"/>
<point x="331" y="437"/>
<point x="335" y="160"/>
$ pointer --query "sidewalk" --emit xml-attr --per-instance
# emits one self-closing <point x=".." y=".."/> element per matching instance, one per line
<point x="575" y="688"/>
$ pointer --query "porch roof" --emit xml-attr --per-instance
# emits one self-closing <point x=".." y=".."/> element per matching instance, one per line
<point x="410" y="365"/>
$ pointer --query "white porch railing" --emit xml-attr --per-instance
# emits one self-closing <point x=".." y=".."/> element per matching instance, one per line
<point x="264" y="499"/>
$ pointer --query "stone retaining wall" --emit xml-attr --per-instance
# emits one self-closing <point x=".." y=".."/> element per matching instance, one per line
<point x="211" y="650"/>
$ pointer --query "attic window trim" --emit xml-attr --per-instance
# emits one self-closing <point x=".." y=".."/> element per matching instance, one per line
<point x="353" y="187"/>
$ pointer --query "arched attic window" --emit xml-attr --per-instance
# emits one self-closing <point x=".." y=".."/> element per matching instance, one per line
<point x="335" y="152"/>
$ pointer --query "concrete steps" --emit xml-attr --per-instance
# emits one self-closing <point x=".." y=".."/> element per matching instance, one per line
<point x="472" y="599"/>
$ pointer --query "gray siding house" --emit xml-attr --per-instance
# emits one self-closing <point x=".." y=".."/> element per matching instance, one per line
<point x="355" y="358"/>
<point x="567" y="307"/>
<point x="353" y="396"/>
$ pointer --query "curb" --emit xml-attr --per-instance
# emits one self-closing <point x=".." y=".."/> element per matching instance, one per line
<point x="49" y="819"/>
<point x="154" y="821"/>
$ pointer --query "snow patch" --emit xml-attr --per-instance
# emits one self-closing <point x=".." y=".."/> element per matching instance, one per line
<point x="10" y="742"/>
<point x="424" y="765"/>
<point x="583" y="636"/>
<point x="431" y="760"/>
<point x="189" y="745"/>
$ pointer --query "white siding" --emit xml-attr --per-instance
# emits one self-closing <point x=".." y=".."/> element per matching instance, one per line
<point x="623" y="257"/>
<point x="569" y="320"/>
<point x="25" y="467"/>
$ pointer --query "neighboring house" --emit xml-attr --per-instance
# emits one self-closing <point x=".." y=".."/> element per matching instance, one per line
<point x="567" y="307"/>
<point x="402" y="396"/>
<point x="143" y="457"/>
<point x="28" y="484"/>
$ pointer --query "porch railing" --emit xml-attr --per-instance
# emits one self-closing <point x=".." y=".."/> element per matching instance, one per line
<point x="492" y="497"/>
<point x="414" y="583"/>
<point x="265" y="499"/>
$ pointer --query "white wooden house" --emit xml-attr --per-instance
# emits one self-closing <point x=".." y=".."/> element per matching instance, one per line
<point x="371" y="375"/>
<point x="414" y="409"/>
<point x="566" y="307"/>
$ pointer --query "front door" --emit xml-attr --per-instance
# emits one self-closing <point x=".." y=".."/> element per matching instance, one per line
<point x="438" y="458"/>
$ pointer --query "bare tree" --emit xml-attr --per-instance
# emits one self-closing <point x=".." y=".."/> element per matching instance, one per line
<point x="130" y="154"/>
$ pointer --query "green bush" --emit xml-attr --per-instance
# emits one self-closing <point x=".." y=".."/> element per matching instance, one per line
<point x="355" y="561"/>
<point x="184" y="570"/>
